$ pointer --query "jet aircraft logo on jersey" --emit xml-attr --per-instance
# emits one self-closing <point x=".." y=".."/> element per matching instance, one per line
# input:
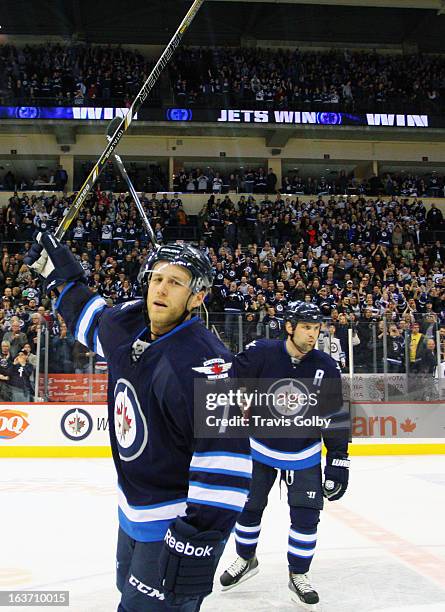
<point x="214" y="368"/>
<point x="76" y="424"/>
<point x="130" y="424"/>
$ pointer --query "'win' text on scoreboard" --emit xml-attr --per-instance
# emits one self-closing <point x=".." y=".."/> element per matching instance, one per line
<point x="321" y="118"/>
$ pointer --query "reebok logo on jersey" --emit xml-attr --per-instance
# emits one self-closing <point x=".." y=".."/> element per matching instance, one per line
<point x="145" y="589"/>
<point x="185" y="548"/>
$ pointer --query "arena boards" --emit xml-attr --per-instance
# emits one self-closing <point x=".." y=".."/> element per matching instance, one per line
<point x="81" y="430"/>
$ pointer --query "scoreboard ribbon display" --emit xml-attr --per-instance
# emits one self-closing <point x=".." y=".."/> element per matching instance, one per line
<point x="225" y="115"/>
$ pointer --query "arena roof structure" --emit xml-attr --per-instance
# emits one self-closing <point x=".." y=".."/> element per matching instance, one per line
<point x="416" y="24"/>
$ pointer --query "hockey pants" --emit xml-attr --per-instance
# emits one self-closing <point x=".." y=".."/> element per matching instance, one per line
<point x="137" y="578"/>
<point x="305" y="499"/>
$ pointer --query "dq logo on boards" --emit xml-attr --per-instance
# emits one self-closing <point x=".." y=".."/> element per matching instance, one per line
<point x="12" y="423"/>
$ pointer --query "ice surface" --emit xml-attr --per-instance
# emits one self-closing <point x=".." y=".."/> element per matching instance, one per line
<point x="380" y="548"/>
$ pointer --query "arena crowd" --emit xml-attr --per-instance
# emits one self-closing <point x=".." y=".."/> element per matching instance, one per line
<point x="83" y="74"/>
<point x="259" y="180"/>
<point x="73" y="74"/>
<point x="288" y="78"/>
<point x="375" y="266"/>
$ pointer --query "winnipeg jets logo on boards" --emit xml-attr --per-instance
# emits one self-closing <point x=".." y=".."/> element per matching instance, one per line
<point x="76" y="424"/>
<point x="214" y="368"/>
<point x="130" y="424"/>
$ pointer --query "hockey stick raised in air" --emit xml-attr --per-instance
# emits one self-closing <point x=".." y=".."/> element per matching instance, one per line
<point x="125" y="122"/>
<point x="120" y="164"/>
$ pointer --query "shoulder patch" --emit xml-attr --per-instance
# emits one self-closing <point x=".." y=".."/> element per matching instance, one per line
<point x="214" y="368"/>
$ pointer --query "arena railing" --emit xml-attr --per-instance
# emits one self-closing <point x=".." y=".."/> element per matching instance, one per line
<point x="375" y="362"/>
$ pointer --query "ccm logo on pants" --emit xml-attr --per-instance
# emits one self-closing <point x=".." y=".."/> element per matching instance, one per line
<point x="187" y="548"/>
<point x="145" y="589"/>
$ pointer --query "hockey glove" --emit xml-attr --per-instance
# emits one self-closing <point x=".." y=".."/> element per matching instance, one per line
<point x="187" y="562"/>
<point x="336" y="475"/>
<point x="53" y="261"/>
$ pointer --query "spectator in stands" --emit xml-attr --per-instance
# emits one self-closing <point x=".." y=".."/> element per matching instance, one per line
<point x="32" y="357"/>
<point x="6" y="362"/>
<point x="3" y="327"/>
<point x="417" y="347"/>
<point x="61" y="353"/>
<point x="442" y="340"/>
<point x="16" y="338"/>
<point x="272" y="324"/>
<point x="427" y="368"/>
<point x="330" y="344"/>
<point x="233" y="308"/>
<point x="20" y="378"/>
<point x="428" y="361"/>
<point x="271" y="181"/>
<point x="395" y="350"/>
<point x="250" y="328"/>
<point x="33" y="330"/>
<point x="125" y="292"/>
<point x="82" y="359"/>
<point x="434" y="216"/>
<point x="61" y="179"/>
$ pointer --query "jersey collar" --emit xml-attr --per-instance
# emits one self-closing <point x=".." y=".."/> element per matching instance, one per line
<point x="176" y="329"/>
<point x="170" y="333"/>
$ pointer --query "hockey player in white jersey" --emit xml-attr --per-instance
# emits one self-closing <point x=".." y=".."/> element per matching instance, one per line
<point x="298" y="459"/>
<point x="178" y="495"/>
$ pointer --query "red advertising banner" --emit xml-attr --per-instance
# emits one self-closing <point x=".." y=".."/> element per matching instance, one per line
<point x="76" y="387"/>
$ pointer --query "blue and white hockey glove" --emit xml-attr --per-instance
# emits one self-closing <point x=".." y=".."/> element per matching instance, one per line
<point x="53" y="261"/>
<point x="336" y="475"/>
<point x="187" y="562"/>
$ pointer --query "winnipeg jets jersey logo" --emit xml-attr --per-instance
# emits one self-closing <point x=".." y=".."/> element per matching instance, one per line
<point x="214" y="368"/>
<point x="130" y="424"/>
